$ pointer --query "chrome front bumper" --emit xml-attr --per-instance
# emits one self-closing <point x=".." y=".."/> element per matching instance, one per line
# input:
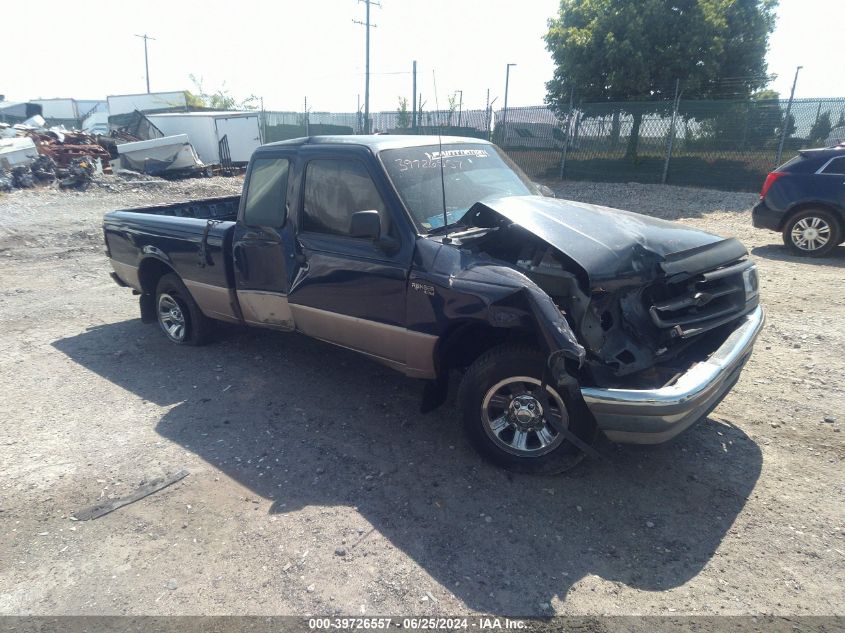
<point x="653" y="416"/>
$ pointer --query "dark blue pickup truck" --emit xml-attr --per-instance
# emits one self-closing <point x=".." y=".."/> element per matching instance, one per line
<point x="439" y="257"/>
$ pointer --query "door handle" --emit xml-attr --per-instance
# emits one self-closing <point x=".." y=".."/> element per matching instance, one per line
<point x="298" y="256"/>
<point x="240" y="260"/>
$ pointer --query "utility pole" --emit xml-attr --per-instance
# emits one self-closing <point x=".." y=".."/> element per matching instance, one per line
<point x="505" y="111"/>
<point x="146" y="37"/>
<point x="305" y="114"/>
<point x="367" y="79"/>
<point x="414" y="99"/>
<point x="786" y="117"/>
<point x="460" y="105"/>
<point x="263" y="127"/>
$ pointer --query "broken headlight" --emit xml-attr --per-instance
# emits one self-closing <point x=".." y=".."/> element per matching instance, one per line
<point x="752" y="284"/>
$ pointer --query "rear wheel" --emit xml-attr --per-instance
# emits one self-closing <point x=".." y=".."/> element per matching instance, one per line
<point x="510" y="422"/>
<point x="178" y="315"/>
<point x="812" y="232"/>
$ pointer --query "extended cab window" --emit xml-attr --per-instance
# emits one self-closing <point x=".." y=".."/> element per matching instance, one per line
<point x="334" y="190"/>
<point x="836" y="166"/>
<point x="265" y="197"/>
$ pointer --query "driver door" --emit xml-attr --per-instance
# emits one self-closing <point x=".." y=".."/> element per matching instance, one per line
<point x="351" y="290"/>
<point x="260" y="242"/>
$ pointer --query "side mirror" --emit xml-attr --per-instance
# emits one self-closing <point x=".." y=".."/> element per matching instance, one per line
<point x="365" y="224"/>
<point x="545" y="191"/>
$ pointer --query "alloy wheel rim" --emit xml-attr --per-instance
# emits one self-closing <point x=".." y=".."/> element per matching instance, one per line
<point x="518" y="421"/>
<point x="810" y="233"/>
<point x="171" y="318"/>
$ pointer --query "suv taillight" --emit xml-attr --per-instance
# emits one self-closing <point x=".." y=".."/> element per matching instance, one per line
<point x="770" y="180"/>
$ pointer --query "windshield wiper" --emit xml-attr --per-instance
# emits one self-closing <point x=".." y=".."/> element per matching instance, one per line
<point x="446" y="228"/>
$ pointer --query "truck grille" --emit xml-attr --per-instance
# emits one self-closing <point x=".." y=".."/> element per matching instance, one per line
<point x="704" y="302"/>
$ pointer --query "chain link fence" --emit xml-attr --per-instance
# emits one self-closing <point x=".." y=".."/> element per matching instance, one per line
<point x="725" y="144"/>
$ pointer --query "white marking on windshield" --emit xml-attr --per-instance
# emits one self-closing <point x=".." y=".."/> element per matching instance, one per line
<point x="451" y="153"/>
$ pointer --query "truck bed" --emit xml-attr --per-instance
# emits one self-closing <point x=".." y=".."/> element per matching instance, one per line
<point x="221" y="208"/>
<point x="193" y="238"/>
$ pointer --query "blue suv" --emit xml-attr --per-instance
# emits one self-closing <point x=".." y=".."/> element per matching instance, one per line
<point x="804" y="200"/>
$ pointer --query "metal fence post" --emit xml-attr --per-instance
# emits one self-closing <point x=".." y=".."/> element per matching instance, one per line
<point x="671" y="139"/>
<point x="305" y="114"/>
<point x="785" y="124"/>
<point x="568" y="133"/>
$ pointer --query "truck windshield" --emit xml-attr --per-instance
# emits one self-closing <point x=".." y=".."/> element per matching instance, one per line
<point x="471" y="173"/>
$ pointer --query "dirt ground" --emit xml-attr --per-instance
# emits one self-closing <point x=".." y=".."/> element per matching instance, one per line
<point x="316" y="487"/>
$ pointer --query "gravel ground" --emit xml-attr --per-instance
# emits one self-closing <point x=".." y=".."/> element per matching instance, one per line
<point x="315" y="487"/>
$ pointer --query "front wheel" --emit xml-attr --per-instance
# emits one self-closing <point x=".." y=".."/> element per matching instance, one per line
<point x="813" y="232"/>
<point x="510" y="422"/>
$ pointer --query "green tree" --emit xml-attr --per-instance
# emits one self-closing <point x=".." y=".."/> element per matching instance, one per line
<point x="765" y="117"/>
<point x="821" y="128"/>
<point x="219" y="99"/>
<point x="403" y="117"/>
<point x="453" y="105"/>
<point x="753" y="123"/>
<point x="634" y="50"/>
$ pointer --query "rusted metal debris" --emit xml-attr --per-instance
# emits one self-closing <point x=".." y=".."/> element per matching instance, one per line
<point x="63" y="147"/>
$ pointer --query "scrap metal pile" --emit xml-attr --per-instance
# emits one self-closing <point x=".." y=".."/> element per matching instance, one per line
<point x="31" y="154"/>
<point x="65" y="146"/>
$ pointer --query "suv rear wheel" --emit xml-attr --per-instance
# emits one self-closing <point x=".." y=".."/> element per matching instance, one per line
<point x="813" y="232"/>
<point x="508" y="420"/>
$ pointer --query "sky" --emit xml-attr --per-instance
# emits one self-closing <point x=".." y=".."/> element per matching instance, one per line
<point x="285" y="51"/>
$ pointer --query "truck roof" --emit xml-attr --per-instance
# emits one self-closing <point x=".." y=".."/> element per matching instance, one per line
<point x="376" y="142"/>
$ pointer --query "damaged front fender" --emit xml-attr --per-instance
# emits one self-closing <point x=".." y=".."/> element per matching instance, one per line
<point x="473" y="286"/>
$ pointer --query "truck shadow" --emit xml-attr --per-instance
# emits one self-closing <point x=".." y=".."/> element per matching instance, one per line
<point x="347" y="432"/>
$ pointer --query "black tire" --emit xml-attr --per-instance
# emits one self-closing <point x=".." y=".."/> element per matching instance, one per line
<point x="496" y="367"/>
<point x="822" y="222"/>
<point x="196" y="327"/>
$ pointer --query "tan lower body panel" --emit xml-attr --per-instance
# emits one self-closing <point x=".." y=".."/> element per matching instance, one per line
<point x="127" y="272"/>
<point x="214" y="301"/>
<point x="412" y="353"/>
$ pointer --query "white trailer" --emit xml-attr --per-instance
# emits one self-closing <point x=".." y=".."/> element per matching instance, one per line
<point x="124" y="104"/>
<point x="206" y="129"/>
<point x="96" y="123"/>
<point x="159" y="156"/>
<point x="17" y="151"/>
<point x="58" y="108"/>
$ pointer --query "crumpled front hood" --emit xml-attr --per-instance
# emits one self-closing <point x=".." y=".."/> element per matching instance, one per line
<point x="611" y="244"/>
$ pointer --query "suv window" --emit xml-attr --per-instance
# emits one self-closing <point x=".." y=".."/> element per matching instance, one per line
<point x="265" y="197"/>
<point x="334" y="190"/>
<point x="836" y="166"/>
